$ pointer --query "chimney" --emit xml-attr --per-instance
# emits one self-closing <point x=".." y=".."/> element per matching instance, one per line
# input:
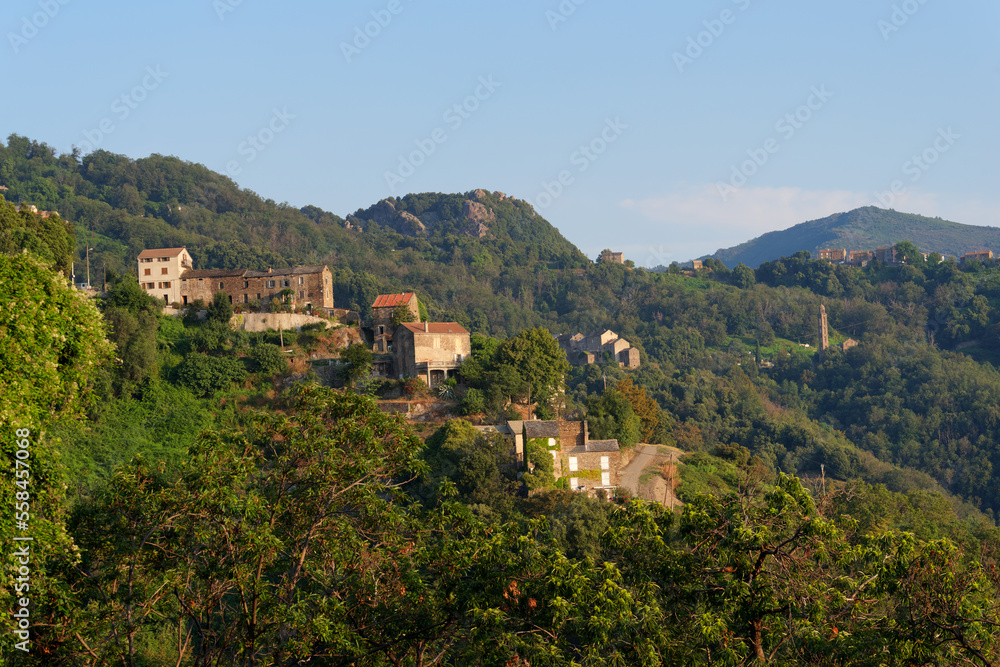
<point x="269" y="269"/>
<point x="425" y="328"/>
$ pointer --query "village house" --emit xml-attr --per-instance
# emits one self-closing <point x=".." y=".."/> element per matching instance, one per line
<point x="832" y="254"/>
<point x="432" y="351"/>
<point x="886" y="254"/>
<point x="613" y="257"/>
<point x="160" y="272"/>
<point x="167" y="274"/>
<point x="587" y="465"/>
<point x="861" y="257"/>
<point x="981" y="256"/>
<point x="582" y="350"/>
<point x="383" y="310"/>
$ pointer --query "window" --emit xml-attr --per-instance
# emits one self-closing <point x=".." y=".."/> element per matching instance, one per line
<point x="269" y="284"/>
<point x="605" y="463"/>
<point x="166" y="284"/>
<point x="286" y="283"/>
<point x="573" y="483"/>
<point x="381" y="329"/>
<point x="164" y="259"/>
<point x="164" y="271"/>
<point x="221" y="285"/>
<point x="605" y="479"/>
<point x="573" y="467"/>
<point x="302" y="280"/>
<point x="246" y="284"/>
<point x="302" y="294"/>
<point x="552" y="442"/>
<point x="246" y="298"/>
<point x="148" y="272"/>
<point x="258" y="296"/>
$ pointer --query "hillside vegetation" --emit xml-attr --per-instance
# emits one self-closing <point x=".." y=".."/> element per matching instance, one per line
<point x="865" y="228"/>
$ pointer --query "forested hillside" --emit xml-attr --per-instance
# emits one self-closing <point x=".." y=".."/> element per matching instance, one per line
<point x="865" y="228"/>
<point x="202" y="500"/>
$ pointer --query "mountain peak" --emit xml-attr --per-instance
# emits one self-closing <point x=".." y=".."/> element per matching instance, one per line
<point x="863" y="228"/>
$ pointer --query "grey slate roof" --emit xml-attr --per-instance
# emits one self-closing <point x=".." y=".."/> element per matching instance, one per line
<point x="541" y="429"/>
<point x="603" y="446"/>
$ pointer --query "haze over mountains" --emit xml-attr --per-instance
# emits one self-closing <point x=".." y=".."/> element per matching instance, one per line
<point x="863" y="229"/>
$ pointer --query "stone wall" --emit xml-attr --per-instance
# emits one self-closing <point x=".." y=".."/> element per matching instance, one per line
<point x="265" y="321"/>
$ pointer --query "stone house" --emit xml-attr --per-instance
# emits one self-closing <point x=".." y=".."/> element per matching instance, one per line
<point x="432" y="351"/>
<point x="586" y="464"/>
<point x="981" y="256"/>
<point x="582" y="350"/>
<point x="306" y="286"/>
<point x="169" y="274"/>
<point x="613" y="257"/>
<point x="382" y="311"/>
<point x="861" y="257"/>
<point x="832" y="254"/>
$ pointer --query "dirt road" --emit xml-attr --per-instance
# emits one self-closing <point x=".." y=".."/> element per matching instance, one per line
<point x="641" y="476"/>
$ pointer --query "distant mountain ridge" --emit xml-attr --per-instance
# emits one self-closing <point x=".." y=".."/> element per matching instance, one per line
<point x="863" y="229"/>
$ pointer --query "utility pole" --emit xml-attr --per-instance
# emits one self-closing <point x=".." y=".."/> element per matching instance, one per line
<point x="88" y="266"/>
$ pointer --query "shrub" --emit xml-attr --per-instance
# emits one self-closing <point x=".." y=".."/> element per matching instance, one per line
<point x="269" y="359"/>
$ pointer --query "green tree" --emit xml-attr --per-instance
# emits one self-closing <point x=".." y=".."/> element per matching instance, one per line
<point x="743" y="276"/>
<point x="221" y="309"/>
<point x="52" y="341"/>
<point x="205" y="375"/>
<point x="400" y="314"/>
<point x="359" y="362"/>
<point x="269" y="359"/>
<point x="539" y="361"/>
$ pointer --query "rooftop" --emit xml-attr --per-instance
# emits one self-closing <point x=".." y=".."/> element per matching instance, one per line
<point x="603" y="446"/>
<point x="162" y="252"/>
<point x="435" y="327"/>
<point x="392" y="300"/>
<point x="541" y="429"/>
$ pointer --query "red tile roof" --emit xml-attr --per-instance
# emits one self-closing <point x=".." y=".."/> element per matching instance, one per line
<point x="161" y="252"/>
<point x="392" y="300"/>
<point x="435" y="327"/>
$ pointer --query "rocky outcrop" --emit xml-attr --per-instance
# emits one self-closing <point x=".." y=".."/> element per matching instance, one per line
<point x="385" y="214"/>
<point x="477" y="215"/>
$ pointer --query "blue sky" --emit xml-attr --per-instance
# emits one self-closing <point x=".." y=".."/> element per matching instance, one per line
<point x="667" y="130"/>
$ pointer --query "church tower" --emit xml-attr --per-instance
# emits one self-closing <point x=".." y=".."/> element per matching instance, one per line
<point x="824" y="339"/>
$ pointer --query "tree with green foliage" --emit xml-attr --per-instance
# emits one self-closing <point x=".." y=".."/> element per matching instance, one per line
<point x="221" y="309"/>
<point x="128" y="295"/>
<point x="400" y="314"/>
<point x="205" y="375"/>
<point x="284" y="541"/>
<point x="743" y="276"/>
<point x="541" y="468"/>
<point x="539" y="361"/>
<point x="359" y="362"/>
<point x="611" y="416"/>
<point x="52" y="341"/>
<point x="269" y="359"/>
